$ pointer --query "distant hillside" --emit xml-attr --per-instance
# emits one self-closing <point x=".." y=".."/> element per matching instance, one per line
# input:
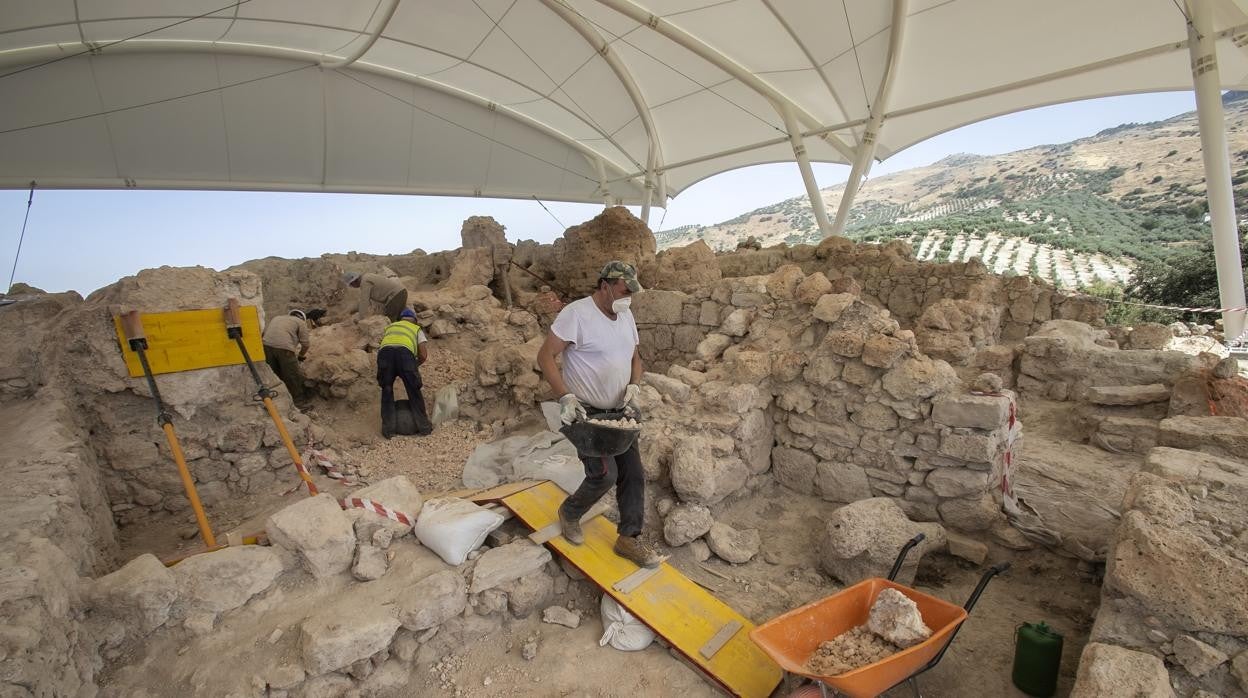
<point x="1071" y="213"/>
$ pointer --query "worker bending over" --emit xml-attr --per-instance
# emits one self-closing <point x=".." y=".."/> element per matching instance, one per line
<point x="283" y="336"/>
<point x="601" y="368"/>
<point x="400" y="356"/>
<point x="387" y="293"/>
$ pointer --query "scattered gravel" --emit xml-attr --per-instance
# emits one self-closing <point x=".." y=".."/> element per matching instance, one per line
<point x="630" y="424"/>
<point x="433" y="463"/>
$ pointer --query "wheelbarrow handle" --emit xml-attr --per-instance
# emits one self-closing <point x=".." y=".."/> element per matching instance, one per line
<point x="983" y="582"/>
<point x="901" y="556"/>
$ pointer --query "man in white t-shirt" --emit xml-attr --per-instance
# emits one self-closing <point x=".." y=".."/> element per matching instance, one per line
<point x="601" y="368"/>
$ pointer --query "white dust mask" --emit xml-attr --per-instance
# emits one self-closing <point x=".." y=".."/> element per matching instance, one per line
<point x="619" y="305"/>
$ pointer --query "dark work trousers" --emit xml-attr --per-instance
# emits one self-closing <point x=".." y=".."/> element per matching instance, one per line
<point x="398" y="362"/>
<point x="624" y="471"/>
<point x="395" y="305"/>
<point x="285" y="364"/>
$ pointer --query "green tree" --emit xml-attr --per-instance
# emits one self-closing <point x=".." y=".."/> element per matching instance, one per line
<point x="1188" y="279"/>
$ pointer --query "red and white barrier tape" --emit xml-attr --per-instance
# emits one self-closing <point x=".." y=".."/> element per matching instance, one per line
<point x="377" y="508"/>
<point x="1238" y="309"/>
<point x="333" y="471"/>
<point x="1014" y="429"/>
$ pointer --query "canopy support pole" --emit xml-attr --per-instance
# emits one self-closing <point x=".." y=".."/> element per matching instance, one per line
<point x="870" y="134"/>
<point x="1201" y="44"/>
<point x="808" y="174"/>
<point x="603" y="187"/>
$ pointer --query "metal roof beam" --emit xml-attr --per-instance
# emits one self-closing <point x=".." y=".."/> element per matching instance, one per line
<point x="369" y="41"/>
<point x="724" y="63"/>
<point x="871" y="134"/>
<point x="654" y="157"/>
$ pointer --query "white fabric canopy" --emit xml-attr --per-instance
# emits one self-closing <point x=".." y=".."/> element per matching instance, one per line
<point x="557" y="99"/>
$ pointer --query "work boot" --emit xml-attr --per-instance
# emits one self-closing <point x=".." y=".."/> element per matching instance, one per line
<point x="571" y="529"/>
<point x="632" y="548"/>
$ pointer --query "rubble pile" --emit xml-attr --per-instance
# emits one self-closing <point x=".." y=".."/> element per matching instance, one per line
<point x="305" y="600"/>
<point x="1176" y="579"/>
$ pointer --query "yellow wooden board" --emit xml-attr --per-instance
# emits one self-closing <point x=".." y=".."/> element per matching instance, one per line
<point x="189" y="339"/>
<point x="676" y="608"/>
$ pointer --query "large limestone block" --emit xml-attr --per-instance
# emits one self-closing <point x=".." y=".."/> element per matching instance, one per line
<point x="317" y="529"/>
<point x="1176" y="574"/>
<point x="699" y="477"/>
<point x="1192" y="466"/>
<point x="794" y="469"/>
<point x="220" y="581"/>
<point x="812" y="288"/>
<point x="842" y="481"/>
<point x="686" y="523"/>
<point x="684" y="268"/>
<point x="973" y="411"/>
<point x="712" y="346"/>
<point x="433" y="600"/>
<point x="829" y="307"/>
<point x="397" y="493"/>
<point x="671" y="388"/>
<point x="918" y="378"/>
<point x="341" y="634"/>
<point x="971" y="514"/>
<point x="733" y="545"/>
<point x="957" y="482"/>
<point x="140" y="594"/>
<point x="1221" y="436"/>
<point x="658" y="307"/>
<point x="863" y="538"/>
<point x="1149" y="335"/>
<point x="1197" y="657"/>
<point x="1128" y="394"/>
<point x="1108" y="671"/>
<point x="506" y="563"/>
<point x="971" y="446"/>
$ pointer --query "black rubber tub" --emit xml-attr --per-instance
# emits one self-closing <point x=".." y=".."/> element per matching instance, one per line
<point x="593" y="440"/>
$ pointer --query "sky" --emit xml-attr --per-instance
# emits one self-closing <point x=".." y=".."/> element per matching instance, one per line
<point x="82" y="240"/>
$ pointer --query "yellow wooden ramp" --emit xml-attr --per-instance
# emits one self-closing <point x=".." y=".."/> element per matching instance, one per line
<point x="692" y="620"/>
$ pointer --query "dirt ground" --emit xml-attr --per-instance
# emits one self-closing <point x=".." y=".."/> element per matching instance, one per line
<point x="1040" y="586"/>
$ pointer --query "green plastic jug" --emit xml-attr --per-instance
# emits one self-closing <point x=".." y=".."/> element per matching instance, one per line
<point x="1037" y="657"/>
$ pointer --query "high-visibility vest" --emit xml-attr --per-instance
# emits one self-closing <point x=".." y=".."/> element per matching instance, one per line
<point x="401" y="334"/>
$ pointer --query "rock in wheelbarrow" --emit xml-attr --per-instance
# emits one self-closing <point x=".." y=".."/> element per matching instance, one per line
<point x="896" y="618"/>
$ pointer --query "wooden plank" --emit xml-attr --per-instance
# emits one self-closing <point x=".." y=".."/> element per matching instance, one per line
<point x="490" y="494"/>
<point x="675" y="607"/>
<point x="187" y="340"/>
<point x="635" y="579"/>
<point x="720" y="639"/>
<point x="547" y="533"/>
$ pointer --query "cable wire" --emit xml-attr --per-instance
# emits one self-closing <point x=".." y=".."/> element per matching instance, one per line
<point x="552" y="215"/>
<point x="101" y="47"/>
<point x="21" y="238"/>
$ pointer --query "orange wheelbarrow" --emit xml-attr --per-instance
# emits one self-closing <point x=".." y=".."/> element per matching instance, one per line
<point x="792" y="638"/>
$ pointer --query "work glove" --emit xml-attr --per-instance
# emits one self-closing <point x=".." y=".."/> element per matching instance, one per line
<point x="630" y="400"/>
<point x="570" y="409"/>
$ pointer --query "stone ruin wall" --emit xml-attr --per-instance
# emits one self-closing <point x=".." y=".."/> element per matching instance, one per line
<point x="953" y="308"/>
<point x="848" y="405"/>
<point x="1172" y="615"/>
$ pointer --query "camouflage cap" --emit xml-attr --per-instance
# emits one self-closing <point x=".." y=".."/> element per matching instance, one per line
<point x="615" y="269"/>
